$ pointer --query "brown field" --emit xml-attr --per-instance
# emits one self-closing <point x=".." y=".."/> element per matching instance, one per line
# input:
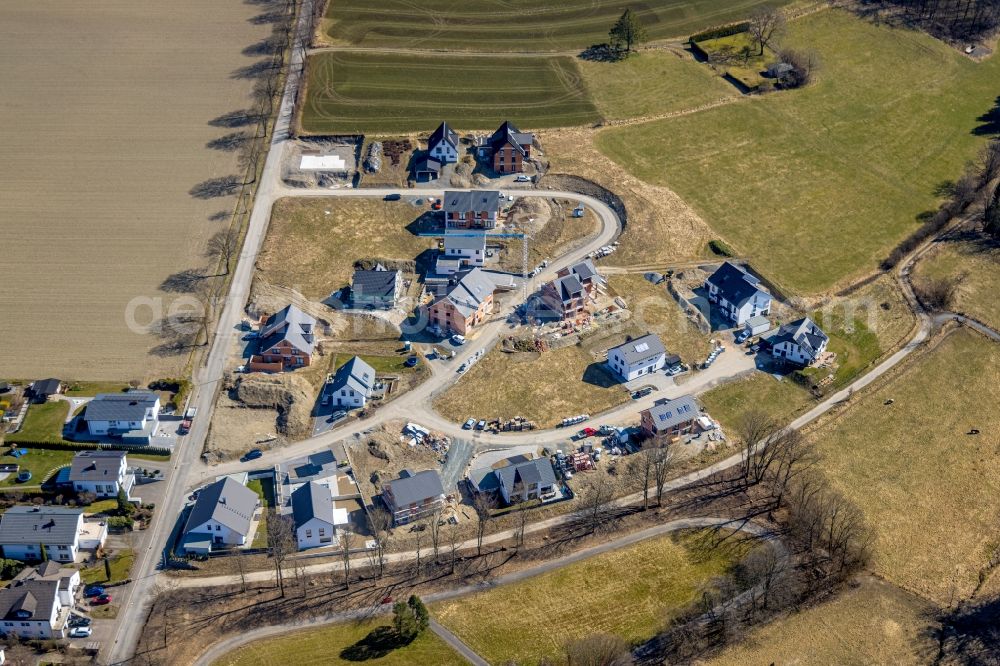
<point x="544" y="388"/>
<point x="875" y="623"/>
<point x="313" y="251"/>
<point x="102" y="147"/>
<point x="975" y="264"/>
<point x="930" y="490"/>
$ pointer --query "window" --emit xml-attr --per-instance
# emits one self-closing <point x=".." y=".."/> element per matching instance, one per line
<point x="218" y="529"/>
<point x="309" y="534"/>
<point x="322" y="531"/>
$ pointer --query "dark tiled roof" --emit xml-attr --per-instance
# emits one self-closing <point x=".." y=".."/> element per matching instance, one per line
<point x="507" y="133"/>
<point x="443" y="132"/>
<point x="476" y="202"/>
<point x="48" y="525"/>
<point x="417" y="488"/>
<point x="376" y="283"/>
<point x="427" y="163"/>
<point x="291" y="324"/>
<point x="355" y="374"/>
<point x="735" y="285"/>
<point x="29" y="600"/>
<point x="311" y="500"/>
<point x="45" y="386"/>
<point x="803" y="332"/>
<point x="537" y="471"/>
<point x="673" y="412"/>
<point x="96" y="466"/>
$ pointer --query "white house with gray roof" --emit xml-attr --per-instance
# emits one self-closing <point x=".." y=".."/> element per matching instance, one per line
<point x="103" y="473"/>
<point x="33" y="608"/>
<point x="800" y="342"/>
<point x="26" y="530"/>
<point x="413" y="496"/>
<point x="443" y="144"/>
<point x="526" y="481"/>
<point x="221" y="516"/>
<point x="737" y="294"/>
<point x="461" y="252"/>
<point x="314" y="515"/>
<point x="134" y="414"/>
<point x="638" y="357"/>
<point x="352" y="385"/>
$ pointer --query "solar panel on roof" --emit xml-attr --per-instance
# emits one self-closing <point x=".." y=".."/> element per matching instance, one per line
<point x="641" y="347"/>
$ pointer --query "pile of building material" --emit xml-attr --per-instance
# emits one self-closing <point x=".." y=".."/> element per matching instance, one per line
<point x="373" y="160"/>
<point x="573" y="420"/>
<point x="417" y="435"/>
<point x="517" y="424"/>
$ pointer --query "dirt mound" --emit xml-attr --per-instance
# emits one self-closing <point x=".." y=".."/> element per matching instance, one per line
<point x="289" y="394"/>
<point x="531" y="213"/>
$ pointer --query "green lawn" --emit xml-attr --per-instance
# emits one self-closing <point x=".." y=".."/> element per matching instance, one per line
<point x="102" y="506"/>
<point x="516" y="25"/>
<point x="40" y="462"/>
<point x="88" y="389"/>
<point x="266" y="494"/>
<point x="42" y="423"/>
<point x="629" y="592"/>
<point x="372" y="93"/>
<point x="780" y="399"/>
<point x="390" y="365"/>
<point x="817" y="185"/>
<point x="324" y="645"/>
<point x="121" y="565"/>
<point x="651" y="83"/>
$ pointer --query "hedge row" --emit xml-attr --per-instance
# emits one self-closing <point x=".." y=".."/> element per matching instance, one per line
<point x="720" y="248"/>
<point x="720" y="31"/>
<point x="90" y="446"/>
<point x="178" y="386"/>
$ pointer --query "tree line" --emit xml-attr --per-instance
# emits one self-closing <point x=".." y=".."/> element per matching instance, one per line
<point x="960" y="20"/>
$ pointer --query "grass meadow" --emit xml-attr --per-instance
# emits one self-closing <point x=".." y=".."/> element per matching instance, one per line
<point x="976" y="266"/>
<point x="384" y="93"/>
<point x="930" y="490"/>
<point x="631" y="592"/>
<point x="817" y="185"/>
<point x="515" y="25"/>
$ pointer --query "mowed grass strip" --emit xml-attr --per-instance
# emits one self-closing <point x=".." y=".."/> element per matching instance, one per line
<point x="631" y="592"/>
<point x="312" y="244"/>
<point x="875" y="623"/>
<point x="817" y="185"/>
<point x="541" y="387"/>
<point x="324" y="645"/>
<point x="930" y="490"/>
<point x="516" y="25"/>
<point x="372" y="93"/>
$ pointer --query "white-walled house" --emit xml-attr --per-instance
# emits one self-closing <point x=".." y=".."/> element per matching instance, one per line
<point x="133" y="413"/>
<point x="737" y="294"/>
<point x="800" y="342"/>
<point x="314" y="515"/>
<point x="638" y="357"/>
<point x="526" y="481"/>
<point x="33" y="609"/>
<point x="352" y="385"/>
<point x="103" y="473"/>
<point x="461" y="252"/>
<point x="221" y="516"/>
<point x="67" y="578"/>
<point x="26" y="530"/>
<point x="443" y="144"/>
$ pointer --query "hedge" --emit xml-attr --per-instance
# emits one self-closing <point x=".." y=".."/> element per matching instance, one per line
<point x="720" y="248"/>
<point x="91" y="446"/>
<point x="178" y="386"/>
<point x="720" y="31"/>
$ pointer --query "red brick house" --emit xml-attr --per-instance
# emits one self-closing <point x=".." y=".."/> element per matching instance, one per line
<point x="509" y="147"/>
<point x="286" y="341"/>
<point x="466" y="304"/>
<point x="471" y="210"/>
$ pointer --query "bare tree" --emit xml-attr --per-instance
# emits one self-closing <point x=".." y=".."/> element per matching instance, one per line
<point x="937" y="293"/>
<point x="792" y="457"/>
<point x="241" y="568"/>
<point x="640" y="472"/>
<point x="223" y="245"/>
<point x="755" y="430"/>
<point x="662" y="456"/>
<point x="434" y="525"/>
<point x="280" y="543"/>
<point x="453" y="544"/>
<point x="246" y="159"/>
<point x="598" y="650"/>
<point x="522" y="523"/>
<point x="345" y="545"/>
<point x="380" y="521"/>
<point x="483" y="504"/>
<point x="419" y="538"/>
<point x="596" y="498"/>
<point x="764" y="25"/>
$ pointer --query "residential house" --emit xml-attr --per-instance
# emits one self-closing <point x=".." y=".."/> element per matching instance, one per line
<point x="509" y="148"/>
<point x="33" y="609"/>
<point x="526" y="481"/>
<point x="466" y="304"/>
<point x="573" y="288"/>
<point x="314" y="515"/>
<point x="67" y="578"/>
<point x="472" y="210"/>
<point x="442" y="145"/>
<point x="461" y="252"/>
<point x="638" y="357"/>
<point x="737" y="294"/>
<point x="133" y="415"/>
<point x="221" y="516"/>
<point x="42" y="389"/>
<point x="800" y="342"/>
<point x="426" y="169"/>
<point x="352" y="385"/>
<point x="413" y="496"/>
<point x="27" y="531"/>
<point x="671" y="418"/>
<point x="103" y="473"/>
<point x="377" y="288"/>
<point x="286" y="341"/>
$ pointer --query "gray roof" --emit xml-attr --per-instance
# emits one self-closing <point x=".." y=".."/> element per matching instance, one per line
<point x="227" y="502"/>
<point x="472" y="288"/>
<point x="96" y="466"/>
<point x="640" y="349"/>
<point x="427" y="163"/>
<point x="477" y="202"/>
<point x="355" y="374"/>
<point x="45" y="386"/>
<point x="465" y="241"/>
<point x="29" y="600"/>
<point x="416" y="488"/>
<point x="508" y="133"/>
<point x="673" y="412"/>
<point x="758" y="320"/>
<point x="735" y="284"/>
<point x="568" y="287"/>
<point x="129" y="406"/>
<point x="374" y="283"/>
<point x="584" y="270"/>
<point x="443" y="132"/>
<point x="537" y="471"/>
<point x="803" y="332"/>
<point x="313" y="466"/>
<point x="291" y="324"/>
<point x="311" y="500"/>
<point x="48" y="525"/>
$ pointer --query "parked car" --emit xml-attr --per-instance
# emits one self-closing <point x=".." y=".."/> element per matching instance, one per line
<point x="392" y="197"/>
<point x="585" y="433"/>
<point x="642" y="393"/>
<point x="523" y="179"/>
<point x="675" y="370"/>
<point x="481" y="424"/>
<point x="93" y="591"/>
<point x="253" y="454"/>
<point x="185" y="427"/>
<point x="102" y="600"/>
<point x="462" y="368"/>
<point x="741" y="336"/>
<point x="79" y="621"/>
<point x="458" y="339"/>
<point x="336" y="416"/>
<point x="411" y="362"/>
<point x="23" y="476"/>
<point x="79" y="632"/>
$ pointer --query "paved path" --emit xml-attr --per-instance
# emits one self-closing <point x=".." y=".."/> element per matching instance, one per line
<point x="223" y="647"/>
<point x="457" y="645"/>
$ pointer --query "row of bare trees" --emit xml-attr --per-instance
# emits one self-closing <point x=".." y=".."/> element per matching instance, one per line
<point x="948" y="19"/>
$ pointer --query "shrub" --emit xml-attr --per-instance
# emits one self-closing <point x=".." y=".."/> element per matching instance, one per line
<point x="120" y="523"/>
<point x="720" y="248"/>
